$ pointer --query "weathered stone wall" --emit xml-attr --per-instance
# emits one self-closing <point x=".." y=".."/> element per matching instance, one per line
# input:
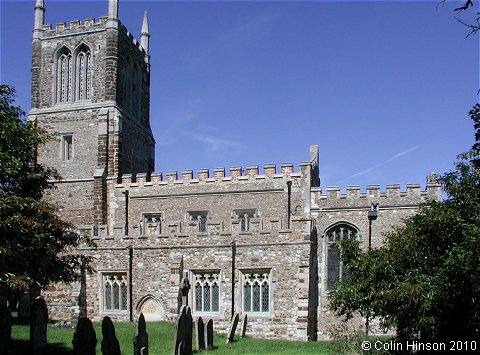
<point x="394" y="205"/>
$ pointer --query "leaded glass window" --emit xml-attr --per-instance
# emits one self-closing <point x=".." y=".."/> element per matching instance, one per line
<point x="207" y="291"/>
<point x="335" y="268"/>
<point x="115" y="292"/>
<point x="256" y="292"/>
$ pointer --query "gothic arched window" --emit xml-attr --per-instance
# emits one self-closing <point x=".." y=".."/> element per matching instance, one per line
<point x="83" y="73"/>
<point x="256" y="291"/>
<point x="64" y="76"/>
<point x="206" y="291"/>
<point x="115" y="292"/>
<point x="336" y="233"/>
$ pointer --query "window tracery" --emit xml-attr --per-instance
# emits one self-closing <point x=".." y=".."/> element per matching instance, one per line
<point x="84" y="69"/>
<point x="115" y="292"/>
<point x="256" y="292"/>
<point x="335" y="268"/>
<point x="206" y="291"/>
<point x="64" y="76"/>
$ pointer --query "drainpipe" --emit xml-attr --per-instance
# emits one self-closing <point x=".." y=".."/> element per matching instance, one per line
<point x="289" y="207"/>
<point x="234" y="253"/>
<point x="130" y="280"/>
<point x="126" y="193"/>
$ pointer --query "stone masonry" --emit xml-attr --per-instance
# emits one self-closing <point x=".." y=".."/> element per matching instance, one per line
<point x="241" y="234"/>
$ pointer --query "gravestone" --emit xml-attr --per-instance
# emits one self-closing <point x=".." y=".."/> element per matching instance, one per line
<point x="140" y="341"/>
<point x="5" y="326"/>
<point x="84" y="339"/>
<point x="38" y="326"/>
<point x="182" y="345"/>
<point x="199" y="334"/>
<point x="244" y="325"/>
<point x="233" y="328"/>
<point x="110" y="344"/>
<point x="24" y="307"/>
<point x="209" y="334"/>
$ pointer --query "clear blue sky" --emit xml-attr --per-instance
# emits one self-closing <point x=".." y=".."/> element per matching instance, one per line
<point x="383" y="87"/>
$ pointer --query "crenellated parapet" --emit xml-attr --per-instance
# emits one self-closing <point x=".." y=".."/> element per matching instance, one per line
<point x="353" y="192"/>
<point x="217" y="175"/>
<point x="75" y="27"/>
<point x="88" y="25"/>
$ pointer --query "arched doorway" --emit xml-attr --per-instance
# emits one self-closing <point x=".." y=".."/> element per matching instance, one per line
<point x="152" y="309"/>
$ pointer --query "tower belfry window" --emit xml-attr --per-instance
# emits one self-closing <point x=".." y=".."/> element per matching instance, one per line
<point x="64" y="76"/>
<point x="84" y="74"/>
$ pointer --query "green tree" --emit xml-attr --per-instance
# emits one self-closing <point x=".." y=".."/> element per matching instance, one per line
<point x="36" y="246"/>
<point x="425" y="279"/>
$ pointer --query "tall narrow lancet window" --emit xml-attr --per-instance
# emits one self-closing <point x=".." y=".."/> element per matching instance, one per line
<point x="64" y="76"/>
<point x="84" y="73"/>
<point x="335" y="268"/>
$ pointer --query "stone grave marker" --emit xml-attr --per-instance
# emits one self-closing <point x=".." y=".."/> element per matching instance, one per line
<point x="140" y="341"/>
<point x="244" y="326"/>
<point x="209" y="334"/>
<point x="84" y="339"/>
<point x="38" y="325"/>
<point x="24" y="307"/>
<point x="110" y="344"/>
<point x="233" y="328"/>
<point x="199" y="334"/>
<point x="182" y="344"/>
<point x="5" y="326"/>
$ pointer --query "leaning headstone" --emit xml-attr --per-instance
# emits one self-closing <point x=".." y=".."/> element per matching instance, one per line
<point x="182" y="345"/>
<point x="199" y="334"/>
<point x="244" y="326"/>
<point x="233" y="328"/>
<point x="24" y="307"/>
<point x="209" y="334"/>
<point x="5" y="327"/>
<point x="140" y="341"/>
<point x="110" y="344"/>
<point x="38" y="326"/>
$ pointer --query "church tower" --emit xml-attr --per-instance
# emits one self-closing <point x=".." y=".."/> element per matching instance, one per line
<point x="91" y="89"/>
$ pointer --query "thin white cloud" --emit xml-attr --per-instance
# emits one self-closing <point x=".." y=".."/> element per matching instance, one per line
<point x="212" y="144"/>
<point x="398" y="155"/>
<point x="373" y="167"/>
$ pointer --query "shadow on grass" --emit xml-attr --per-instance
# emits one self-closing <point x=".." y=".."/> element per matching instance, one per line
<point x="21" y="347"/>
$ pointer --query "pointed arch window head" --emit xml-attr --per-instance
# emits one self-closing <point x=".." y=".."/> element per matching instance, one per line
<point x="115" y="292"/>
<point x="333" y="235"/>
<point x="83" y="73"/>
<point x="64" y="76"/>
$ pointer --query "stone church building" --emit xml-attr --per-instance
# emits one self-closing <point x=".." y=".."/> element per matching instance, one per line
<point x="256" y="240"/>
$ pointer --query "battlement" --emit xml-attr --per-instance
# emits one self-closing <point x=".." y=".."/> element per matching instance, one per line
<point x="132" y="39"/>
<point x="75" y="26"/>
<point x="205" y="176"/>
<point x="88" y="25"/>
<point x="353" y="192"/>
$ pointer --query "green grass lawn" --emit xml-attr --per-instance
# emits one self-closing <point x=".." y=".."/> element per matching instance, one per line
<point x="160" y="340"/>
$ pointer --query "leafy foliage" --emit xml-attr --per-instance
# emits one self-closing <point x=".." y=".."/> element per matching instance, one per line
<point x="36" y="246"/>
<point x="425" y="280"/>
